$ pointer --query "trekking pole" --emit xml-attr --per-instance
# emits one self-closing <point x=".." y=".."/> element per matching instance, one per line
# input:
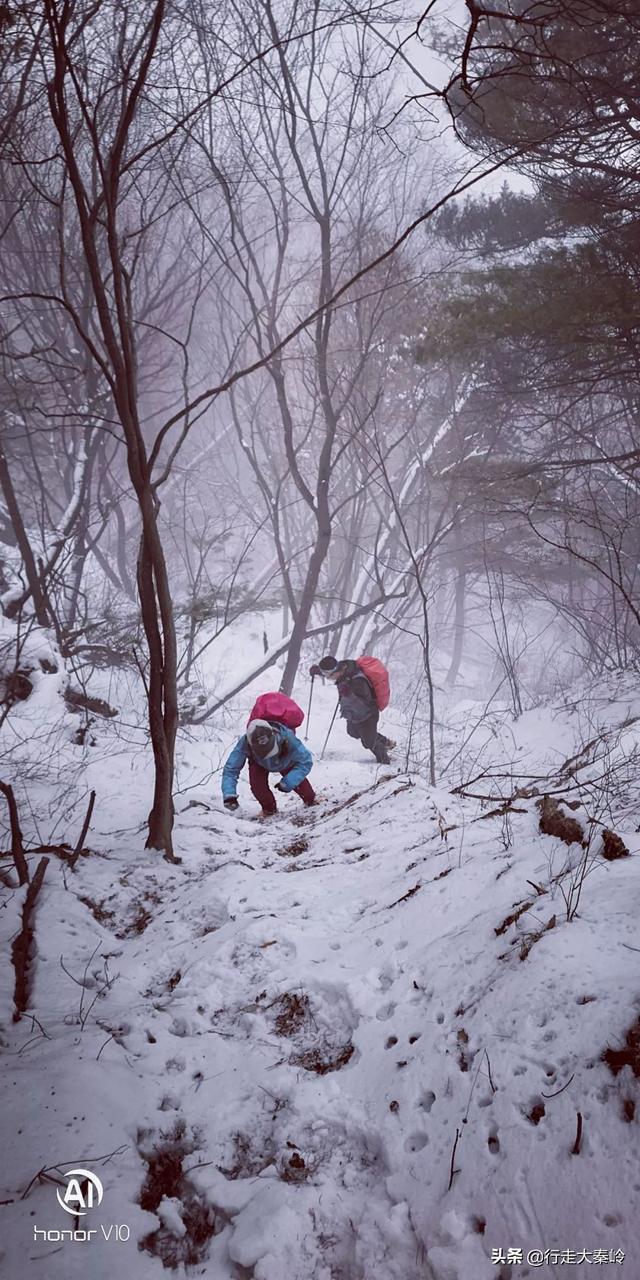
<point x="329" y="731"/>
<point x="306" y="736"/>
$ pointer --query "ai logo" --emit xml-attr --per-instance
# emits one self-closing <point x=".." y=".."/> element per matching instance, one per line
<point x="82" y="1192"/>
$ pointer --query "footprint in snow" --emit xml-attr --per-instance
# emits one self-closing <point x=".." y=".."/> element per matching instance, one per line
<point x="416" y="1142"/>
<point x="426" y="1101"/>
<point x="180" y="1027"/>
<point x="174" y="1066"/>
<point x="385" y="1012"/>
<point x="169" y="1103"/>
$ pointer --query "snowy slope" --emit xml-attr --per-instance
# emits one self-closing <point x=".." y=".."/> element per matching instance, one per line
<point x="310" y="1054"/>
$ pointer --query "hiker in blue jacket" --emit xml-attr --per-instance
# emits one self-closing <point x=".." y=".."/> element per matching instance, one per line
<point x="270" y="748"/>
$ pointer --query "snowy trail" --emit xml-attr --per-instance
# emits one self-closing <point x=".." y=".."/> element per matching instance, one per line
<point x="313" y="1023"/>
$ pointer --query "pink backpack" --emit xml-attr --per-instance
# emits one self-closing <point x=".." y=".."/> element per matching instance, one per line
<point x="277" y="706"/>
<point x="378" y="678"/>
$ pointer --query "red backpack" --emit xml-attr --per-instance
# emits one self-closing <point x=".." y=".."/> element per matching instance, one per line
<point x="378" y="678"/>
<point x="277" y="706"/>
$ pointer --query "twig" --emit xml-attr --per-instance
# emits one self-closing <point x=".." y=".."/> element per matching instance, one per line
<point x="44" y="1172"/>
<point x="452" y="1171"/>
<point x="141" y="670"/>
<point x="575" y="1150"/>
<point x="106" y="986"/>
<point x="558" y="1091"/>
<point x="538" y="887"/>
<point x="103" y="1046"/>
<point x="69" y="975"/>
<point x="27" y="1045"/>
<point x="493" y="1087"/>
<point x="84" y="986"/>
<point x="85" y="827"/>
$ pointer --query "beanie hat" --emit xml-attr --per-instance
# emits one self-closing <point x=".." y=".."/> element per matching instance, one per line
<point x="262" y="738"/>
<point x="328" y="664"/>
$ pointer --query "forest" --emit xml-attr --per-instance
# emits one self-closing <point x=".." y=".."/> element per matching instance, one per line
<point x="319" y="454"/>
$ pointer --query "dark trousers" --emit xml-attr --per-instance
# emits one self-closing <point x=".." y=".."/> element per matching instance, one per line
<point x="259" y="783"/>
<point x="367" y="733"/>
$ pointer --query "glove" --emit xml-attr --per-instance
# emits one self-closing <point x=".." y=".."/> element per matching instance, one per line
<point x="315" y="671"/>
<point x="281" y="787"/>
<point x="231" y="802"/>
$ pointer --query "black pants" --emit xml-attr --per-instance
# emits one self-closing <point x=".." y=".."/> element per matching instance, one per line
<point x="366" y="731"/>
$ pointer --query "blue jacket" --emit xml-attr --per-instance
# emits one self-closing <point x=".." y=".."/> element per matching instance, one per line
<point x="292" y="760"/>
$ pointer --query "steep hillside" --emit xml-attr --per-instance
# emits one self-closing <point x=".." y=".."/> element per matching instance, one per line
<point x="363" y="1042"/>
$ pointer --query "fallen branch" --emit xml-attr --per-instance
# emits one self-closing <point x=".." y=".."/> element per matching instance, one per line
<point x="21" y="948"/>
<point x="405" y="897"/>
<point x="278" y="650"/>
<point x="507" y="807"/>
<point x="554" y="783"/>
<point x="512" y="918"/>
<point x="76" y="700"/>
<point x="499" y="812"/>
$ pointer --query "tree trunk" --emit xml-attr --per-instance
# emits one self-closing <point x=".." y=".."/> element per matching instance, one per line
<point x="303" y="615"/>
<point x="162" y="693"/>
<point x="458" y="629"/>
<point x="24" y="546"/>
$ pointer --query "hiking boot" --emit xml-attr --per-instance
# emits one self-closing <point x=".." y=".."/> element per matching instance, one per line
<point x="383" y="758"/>
<point x="390" y="744"/>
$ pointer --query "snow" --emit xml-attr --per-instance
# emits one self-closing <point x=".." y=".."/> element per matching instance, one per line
<point x="312" y="1027"/>
<point x="169" y="1213"/>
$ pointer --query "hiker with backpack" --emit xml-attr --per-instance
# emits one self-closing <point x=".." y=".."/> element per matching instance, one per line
<point x="271" y="746"/>
<point x="363" y="692"/>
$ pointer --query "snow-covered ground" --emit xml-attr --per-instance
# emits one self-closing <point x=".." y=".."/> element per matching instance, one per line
<point x="316" y="1050"/>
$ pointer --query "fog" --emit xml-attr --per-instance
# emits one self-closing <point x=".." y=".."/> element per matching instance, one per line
<point x="319" y="339"/>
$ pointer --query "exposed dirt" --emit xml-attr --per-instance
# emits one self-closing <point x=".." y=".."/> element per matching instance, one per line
<point x="321" y="1061"/>
<point x="555" y="822"/>
<point x="612" y="846"/>
<point x="166" y="1178"/>
<point x="294" y="849"/>
<point x="629" y="1056"/>
<point x="294" y="1012"/>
